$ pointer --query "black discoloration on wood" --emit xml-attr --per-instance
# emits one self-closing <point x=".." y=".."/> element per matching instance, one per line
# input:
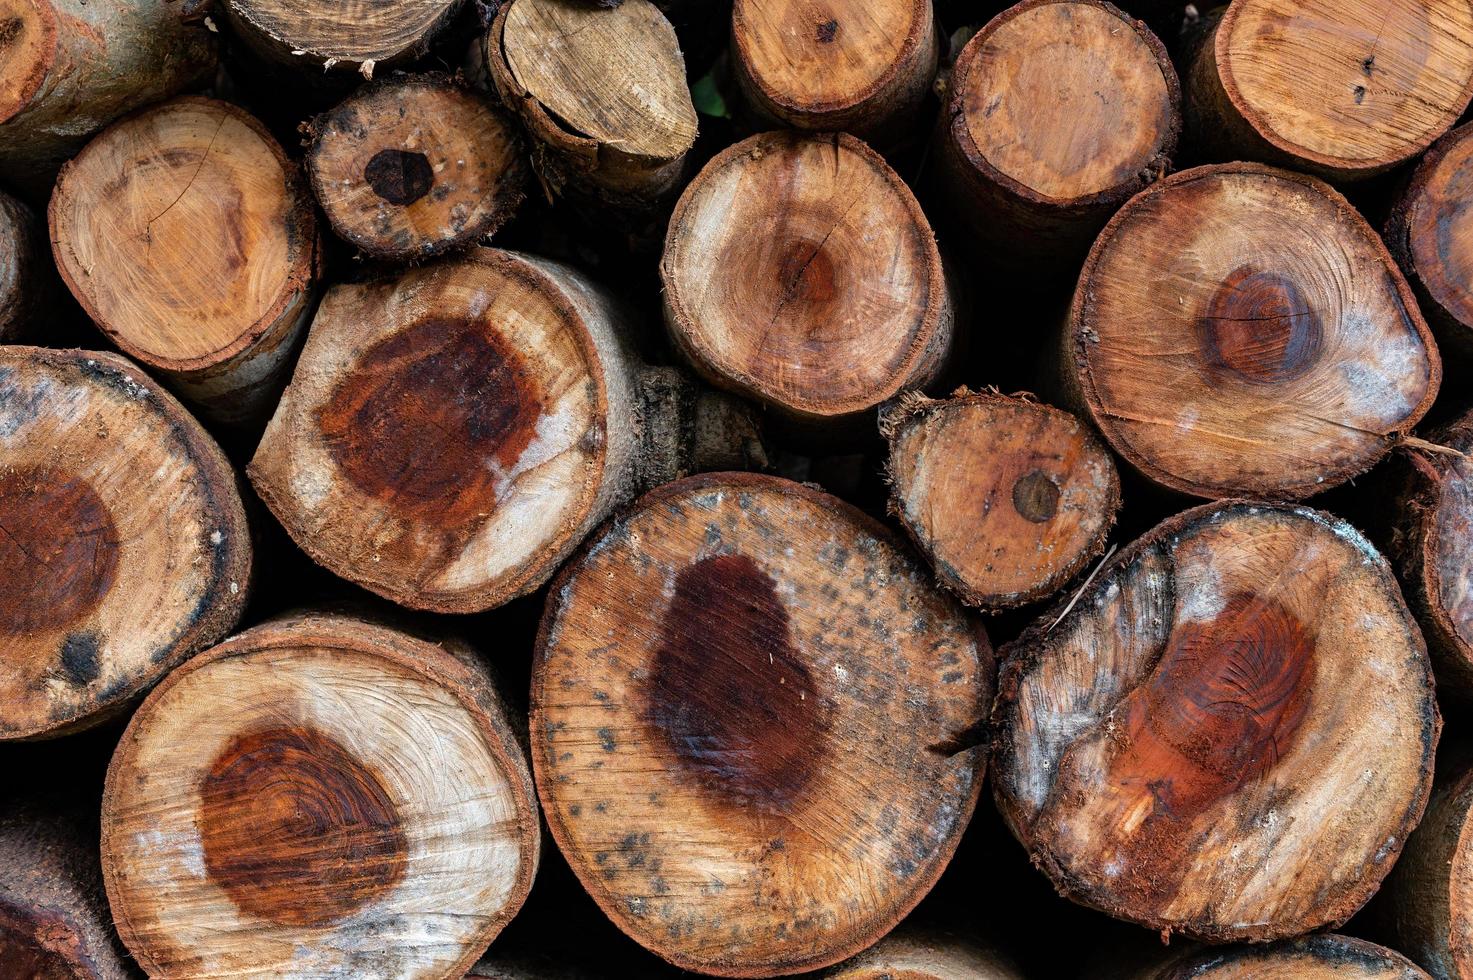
<point x="398" y="176"/>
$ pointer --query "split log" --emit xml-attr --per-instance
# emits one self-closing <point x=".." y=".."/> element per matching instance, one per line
<point x="1428" y="233"/>
<point x="751" y="725"/>
<point x="125" y="547"/>
<point x="415" y="166"/>
<point x="1345" y="90"/>
<point x="70" y="67"/>
<point x="315" y="797"/>
<point x="54" y="921"/>
<point x="862" y="66"/>
<point x="800" y="271"/>
<point x="915" y="954"/>
<point x="451" y="435"/>
<point x="1323" y="957"/>
<point x="602" y="92"/>
<point x="1009" y="499"/>
<point x="25" y="271"/>
<point x="1228" y="734"/>
<point x="188" y="237"/>
<point x="1240" y="330"/>
<point x="319" y="35"/>
<point x="1058" y="111"/>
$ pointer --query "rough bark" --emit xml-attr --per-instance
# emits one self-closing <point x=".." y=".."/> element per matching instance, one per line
<point x="799" y="271"/>
<point x="861" y="66"/>
<point x="1323" y="957"/>
<point x="1009" y="499"/>
<point x="25" y="272"/>
<point x="450" y="435"/>
<point x="54" y="921"/>
<point x="70" y="67"/>
<point x="1058" y="111"/>
<point x="125" y="547"/>
<point x="910" y="953"/>
<point x="1345" y="89"/>
<point x="351" y="35"/>
<point x="1228" y="734"/>
<point x="414" y="166"/>
<point x="319" y="796"/>
<point x="752" y="725"/>
<point x="189" y="238"/>
<point x="1240" y="330"/>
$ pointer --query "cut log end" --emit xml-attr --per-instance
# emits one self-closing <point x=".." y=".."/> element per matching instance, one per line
<point x="186" y="234"/>
<point x="345" y="34"/>
<point x="1240" y="330"/>
<point x="416" y="166"/>
<point x="106" y="582"/>
<point x="1323" y="957"/>
<point x="910" y="953"/>
<point x="1008" y="498"/>
<point x="1241" y="690"/>
<point x="838" y="308"/>
<point x="247" y="828"/>
<point x="719" y="705"/>
<point x="27" y="51"/>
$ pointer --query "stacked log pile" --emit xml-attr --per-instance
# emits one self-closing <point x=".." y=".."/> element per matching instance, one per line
<point x="866" y="489"/>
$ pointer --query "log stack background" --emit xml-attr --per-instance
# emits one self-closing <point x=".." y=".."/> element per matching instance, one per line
<point x="619" y="488"/>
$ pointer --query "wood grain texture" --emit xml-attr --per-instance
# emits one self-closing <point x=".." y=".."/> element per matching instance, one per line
<point x="1009" y="499"/>
<point x="189" y="238"/>
<point x="911" y="953"/>
<point x="415" y="166"/>
<point x="825" y="65"/>
<point x="364" y="810"/>
<point x="744" y="701"/>
<point x="124" y="545"/>
<point x="800" y="271"/>
<point x="1321" y="957"/>
<point x="26" y="280"/>
<point x="1230" y="735"/>
<point x="1343" y="88"/>
<point x="1241" y="330"/>
<point x="353" y="35"/>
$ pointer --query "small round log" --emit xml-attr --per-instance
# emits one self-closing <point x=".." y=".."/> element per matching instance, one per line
<point x="315" y="797"/>
<point x="70" y="67"/>
<point x="603" y="94"/>
<point x="1322" y="957"/>
<point x="414" y="166"/>
<point x="799" y="271"/>
<point x="25" y="271"/>
<point x="54" y="920"/>
<point x="1228" y="734"/>
<point x="1240" y="330"/>
<point x="123" y="542"/>
<point x="1429" y="231"/>
<point x="1058" y="111"/>
<point x="188" y="237"/>
<point x="909" y="953"/>
<point x="862" y="66"/>
<point x="752" y="725"/>
<point x="1009" y="499"/>
<point x="1342" y="90"/>
<point x="356" y="35"/>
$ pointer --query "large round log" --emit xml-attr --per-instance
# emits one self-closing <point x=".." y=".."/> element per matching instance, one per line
<point x="189" y="238"/>
<point x="1228" y="734"/>
<point x="752" y="725"/>
<point x="911" y="953"/>
<point x="320" y="35"/>
<point x="1240" y="330"/>
<point x="123" y="542"/>
<point x="316" y="797"/>
<point x="1342" y="89"/>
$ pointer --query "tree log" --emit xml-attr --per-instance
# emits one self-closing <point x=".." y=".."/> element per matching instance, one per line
<point x="751" y="725"/>
<point x="1323" y="957"/>
<point x="1240" y="330"/>
<point x="125" y="547"/>
<point x="800" y="271"/>
<point x="316" y="797"/>
<point x="415" y="166"/>
<point x="862" y="66"/>
<point x="54" y="922"/>
<point x="602" y="91"/>
<point x="1345" y="89"/>
<point x="188" y="237"/>
<point x="915" y="954"/>
<point x="1228" y="734"/>
<point x="1009" y="499"/>
<point x="451" y="435"/>
<point x="70" y="67"/>
<point x="1428" y="233"/>
<point x="357" y="35"/>
<point x="25" y="271"/>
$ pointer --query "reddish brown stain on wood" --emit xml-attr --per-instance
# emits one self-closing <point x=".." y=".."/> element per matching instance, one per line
<point x="425" y="412"/>
<point x="1036" y="497"/>
<point x="296" y="830"/>
<point x="729" y="694"/>
<point x="22" y="956"/>
<point x="806" y="272"/>
<point x="1259" y="327"/>
<point x="58" y="550"/>
<point x="398" y="176"/>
